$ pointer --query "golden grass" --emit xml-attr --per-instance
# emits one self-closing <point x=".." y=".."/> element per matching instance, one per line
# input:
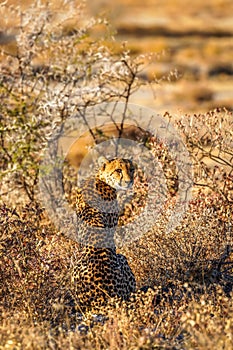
<point x="194" y="56"/>
<point x="186" y="275"/>
<point x="193" y="308"/>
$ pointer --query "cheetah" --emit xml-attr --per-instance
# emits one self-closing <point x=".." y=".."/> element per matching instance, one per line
<point x="101" y="273"/>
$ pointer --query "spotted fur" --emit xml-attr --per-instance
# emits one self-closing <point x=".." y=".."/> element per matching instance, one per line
<point x="101" y="273"/>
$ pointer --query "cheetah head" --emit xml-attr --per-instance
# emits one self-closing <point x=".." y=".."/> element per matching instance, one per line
<point x="117" y="173"/>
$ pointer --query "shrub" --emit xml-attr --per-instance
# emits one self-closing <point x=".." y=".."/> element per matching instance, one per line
<point x="61" y="66"/>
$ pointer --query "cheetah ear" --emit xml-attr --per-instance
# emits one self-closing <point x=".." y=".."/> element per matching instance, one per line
<point x="102" y="160"/>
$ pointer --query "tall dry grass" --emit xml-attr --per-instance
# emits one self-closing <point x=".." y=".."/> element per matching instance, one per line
<point x="186" y="302"/>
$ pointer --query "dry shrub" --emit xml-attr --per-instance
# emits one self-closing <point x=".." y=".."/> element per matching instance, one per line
<point x="201" y="245"/>
<point x="189" y="269"/>
<point x="210" y="322"/>
<point x="34" y="261"/>
<point x="78" y="70"/>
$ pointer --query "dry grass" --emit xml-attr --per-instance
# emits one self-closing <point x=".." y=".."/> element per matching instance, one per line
<point x="186" y="276"/>
<point x="196" y="41"/>
<point x="190" y="271"/>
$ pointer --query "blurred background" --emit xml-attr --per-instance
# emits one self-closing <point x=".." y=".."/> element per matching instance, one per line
<point x="193" y="38"/>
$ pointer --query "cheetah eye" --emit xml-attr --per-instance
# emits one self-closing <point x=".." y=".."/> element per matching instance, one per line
<point x="119" y="171"/>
